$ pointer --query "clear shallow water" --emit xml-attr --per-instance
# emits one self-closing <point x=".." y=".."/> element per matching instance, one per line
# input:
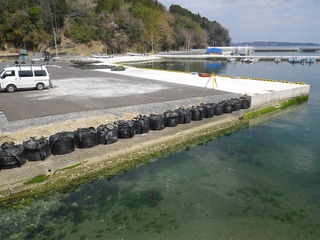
<point x="261" y="182"/>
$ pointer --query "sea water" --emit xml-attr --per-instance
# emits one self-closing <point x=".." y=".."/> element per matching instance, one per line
<point x="261" y="182"/>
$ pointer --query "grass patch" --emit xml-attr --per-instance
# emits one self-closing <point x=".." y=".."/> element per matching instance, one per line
<point x="69" y="167"/>
<point x="37" y="179"/>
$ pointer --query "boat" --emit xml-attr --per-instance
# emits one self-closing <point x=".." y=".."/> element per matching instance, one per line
<point x="277" y="60"/>
<point x="249" y="60"/>
<point x="231" y="60"/>
<point x="310" y="60"/>
<point x="296" y="60"/>
<point x="205" y="74"/>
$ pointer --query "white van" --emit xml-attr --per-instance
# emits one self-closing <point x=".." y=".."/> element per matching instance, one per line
<point x="24" y="76"/>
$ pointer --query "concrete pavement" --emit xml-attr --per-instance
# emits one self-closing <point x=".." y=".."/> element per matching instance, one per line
<point x="78" y="90"/>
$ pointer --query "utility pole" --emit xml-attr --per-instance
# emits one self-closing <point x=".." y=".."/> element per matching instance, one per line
<point x="188" y="43"/>
<point x="152" y="43"/>
<point x="55" y="41"/>
<point x="55" y="28"/>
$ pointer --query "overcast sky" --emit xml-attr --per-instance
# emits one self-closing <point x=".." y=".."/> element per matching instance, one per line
<point x="261" y="20"/>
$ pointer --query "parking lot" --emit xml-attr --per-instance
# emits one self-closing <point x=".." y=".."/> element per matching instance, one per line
<point x="78" y="90"/>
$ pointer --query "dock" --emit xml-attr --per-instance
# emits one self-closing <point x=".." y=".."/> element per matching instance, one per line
<point x="211" y="57"/>
<point x="287" y="49"/>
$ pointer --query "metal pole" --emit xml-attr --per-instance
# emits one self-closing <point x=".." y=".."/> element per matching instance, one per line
<point x="55" y="41"/>
<point x="152" y="43"/>
<point x="55" y="27"/>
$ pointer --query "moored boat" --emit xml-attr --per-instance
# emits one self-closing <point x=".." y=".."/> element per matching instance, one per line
<point x="231" y="60"/>
<point x="296" y="60"/>
<point x="310" y="60"/>
<point x="204" y="74"/>
<point x="249" y="60"/>
<point x="277" y="60"/>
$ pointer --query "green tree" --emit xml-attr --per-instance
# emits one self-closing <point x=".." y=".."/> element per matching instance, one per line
<point x="60" y="9"/>
<point x="109" y="6"/>
<point x="35" y="14"/>
<point x="215" y="33"/>
<point x="80" y="30"/>
<point x="121" y="25"/>
<point x="9" y="6"/>
<point x="17" y="26"/>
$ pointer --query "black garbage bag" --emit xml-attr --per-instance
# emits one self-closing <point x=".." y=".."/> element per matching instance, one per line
<point x="12" y="155"/>
<point x="37" y="149"/>
<point x="62" y="143"/>
<point x="185" y="115"/>
<point x="107" y="134"/>
<point x="208" y="110"/>
<point x="197" y="113"/>
<point x="157" y="121"/>
<point x="172" y="118"/>
<point x="245" y="102"/>
<point x="227" y="106"/>
<point x="126" y="129"/>
<point x="218" y="109"/>
<point x="236" y="104"/>
<point x="142" y="124"/>
<point x="85" y="137"/>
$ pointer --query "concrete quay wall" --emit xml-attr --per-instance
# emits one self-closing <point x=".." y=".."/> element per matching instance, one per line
<point x="278" y="96"/>
<point x="261" y="92"/>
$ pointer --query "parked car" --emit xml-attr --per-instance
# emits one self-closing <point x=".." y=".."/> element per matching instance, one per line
<point x="22" y="76"/>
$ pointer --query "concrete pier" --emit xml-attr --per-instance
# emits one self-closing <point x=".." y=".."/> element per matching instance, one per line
<point x="238" y="58"/>
<point x="168" y="90"/>
<point x="262" y="91"/>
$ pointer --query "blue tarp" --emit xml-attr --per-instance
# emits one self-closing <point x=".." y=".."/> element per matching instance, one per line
<point x="214" y="50"/>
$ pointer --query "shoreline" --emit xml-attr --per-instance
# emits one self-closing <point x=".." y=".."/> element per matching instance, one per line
<point x="45" y="129"/>
<point x="82" y="165"/>
<point x="90" y="164"/>
<point x="85" y="165"/>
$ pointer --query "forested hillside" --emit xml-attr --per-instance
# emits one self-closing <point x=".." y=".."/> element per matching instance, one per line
<point x="117" y="26"/>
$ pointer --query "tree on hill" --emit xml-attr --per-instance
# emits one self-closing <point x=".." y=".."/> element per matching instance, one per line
<point x="119" y="25"/>
<point x="216" y="34"/>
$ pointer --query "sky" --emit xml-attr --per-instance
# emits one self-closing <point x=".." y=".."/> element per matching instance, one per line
<point x="260" y="20"/>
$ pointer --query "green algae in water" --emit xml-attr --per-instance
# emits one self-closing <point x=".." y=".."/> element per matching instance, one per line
<point x="149" y="198"/>
<point x="145" y="202"/>
<point x="190" y="191"/>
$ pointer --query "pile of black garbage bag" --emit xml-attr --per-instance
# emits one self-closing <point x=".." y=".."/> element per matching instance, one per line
<point x="38" y="149"/>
